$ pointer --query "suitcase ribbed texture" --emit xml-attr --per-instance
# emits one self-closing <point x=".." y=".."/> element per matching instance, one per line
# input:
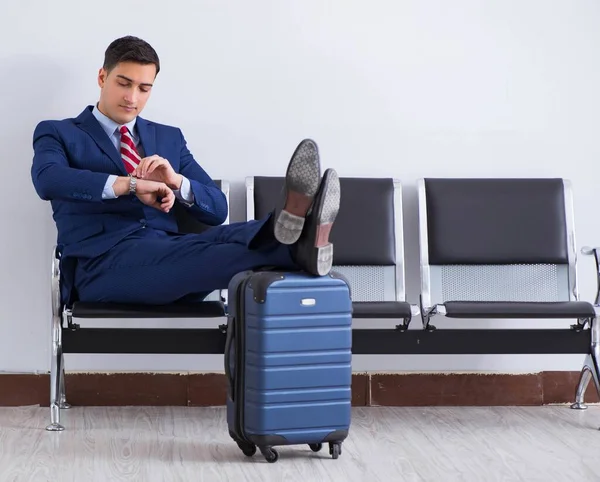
<point x="292" y="355"/>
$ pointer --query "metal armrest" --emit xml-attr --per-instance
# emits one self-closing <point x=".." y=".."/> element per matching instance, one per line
<point x="588" y="251"/>
<point x="55" y="284"/>
<point x="428" y="312"/>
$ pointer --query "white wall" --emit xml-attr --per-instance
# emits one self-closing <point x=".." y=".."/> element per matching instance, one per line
<point x="404" y="88"/>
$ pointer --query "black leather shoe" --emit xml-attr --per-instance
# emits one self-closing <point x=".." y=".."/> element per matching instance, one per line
<point x="313" y="252"/>
<point x="301" y="185"/>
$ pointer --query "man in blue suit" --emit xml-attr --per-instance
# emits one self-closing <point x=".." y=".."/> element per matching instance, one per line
<point x="113" y="177"/>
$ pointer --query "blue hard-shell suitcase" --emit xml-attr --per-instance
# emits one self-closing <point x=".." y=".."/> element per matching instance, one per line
<point x="288" y="361"/>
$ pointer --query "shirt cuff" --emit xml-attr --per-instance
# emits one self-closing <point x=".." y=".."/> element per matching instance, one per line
<point x="185" y="193"/>
<point x="108" y="192"/>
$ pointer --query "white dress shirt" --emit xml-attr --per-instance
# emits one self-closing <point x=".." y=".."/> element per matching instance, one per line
<point x="111" y="128"/>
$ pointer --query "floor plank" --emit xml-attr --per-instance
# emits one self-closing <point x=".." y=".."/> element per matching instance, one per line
<point x="385" y="443"/>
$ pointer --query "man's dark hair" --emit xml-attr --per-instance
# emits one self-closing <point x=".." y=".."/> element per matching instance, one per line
<point x="130" y="49"/>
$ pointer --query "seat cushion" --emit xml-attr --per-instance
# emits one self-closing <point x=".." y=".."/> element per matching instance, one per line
<point x="381" y="309"/>
<point x="204" y="309"/>
<point x="507" y="309"/>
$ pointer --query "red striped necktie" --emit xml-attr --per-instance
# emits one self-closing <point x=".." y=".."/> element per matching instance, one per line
<point x="129" y="153"/>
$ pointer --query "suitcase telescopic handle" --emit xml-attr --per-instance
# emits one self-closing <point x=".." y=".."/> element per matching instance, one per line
<point x="228" y="346"/>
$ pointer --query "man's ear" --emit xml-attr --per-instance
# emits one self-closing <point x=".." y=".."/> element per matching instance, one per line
<point x="102" y="74"/>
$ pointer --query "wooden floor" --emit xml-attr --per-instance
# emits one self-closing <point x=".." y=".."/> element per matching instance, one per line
<point x="385" y="444"/>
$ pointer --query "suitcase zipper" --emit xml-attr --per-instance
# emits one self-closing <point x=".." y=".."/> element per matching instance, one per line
<point x="240" y="359"/>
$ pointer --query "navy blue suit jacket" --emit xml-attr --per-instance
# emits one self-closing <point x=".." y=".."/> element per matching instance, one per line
<point x="72" y="161"/>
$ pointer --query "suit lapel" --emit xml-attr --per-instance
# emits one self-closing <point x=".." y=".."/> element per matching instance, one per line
<point x="147" y="136"/>
<point x="89" y="124"/>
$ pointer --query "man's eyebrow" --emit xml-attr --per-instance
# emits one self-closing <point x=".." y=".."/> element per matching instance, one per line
<point x="130" y="80"/>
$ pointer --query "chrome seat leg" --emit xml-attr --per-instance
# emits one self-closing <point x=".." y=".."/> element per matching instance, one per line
<point x="55" y="377"/>
<point x="62" y="401"/>
<point x="591" y="369"/>
<point x="55" y="425"/>
<point x="584" y="380"/>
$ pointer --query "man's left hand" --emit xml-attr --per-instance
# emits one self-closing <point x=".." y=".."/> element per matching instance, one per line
<point x="156" y="168"/>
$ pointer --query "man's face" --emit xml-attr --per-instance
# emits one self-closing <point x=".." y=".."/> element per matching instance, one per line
<point x="125" y="90"/>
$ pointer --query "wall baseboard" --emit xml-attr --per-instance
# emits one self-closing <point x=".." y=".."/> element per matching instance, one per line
<point x="368" y="389"/>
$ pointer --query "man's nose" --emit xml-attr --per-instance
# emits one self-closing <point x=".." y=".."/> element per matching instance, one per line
<point x="131" y="96"/>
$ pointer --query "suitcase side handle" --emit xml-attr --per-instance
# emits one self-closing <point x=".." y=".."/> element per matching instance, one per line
<point x="228" y="346"/>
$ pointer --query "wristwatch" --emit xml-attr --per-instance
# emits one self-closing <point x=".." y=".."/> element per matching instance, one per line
<point x="132" y="184"/>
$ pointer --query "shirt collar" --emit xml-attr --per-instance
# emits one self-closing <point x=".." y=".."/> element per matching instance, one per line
<point x="109" y="125"/>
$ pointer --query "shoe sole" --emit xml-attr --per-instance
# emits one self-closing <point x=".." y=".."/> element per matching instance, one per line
<point x="322" y="249"/>
<point x="302" y="183"/>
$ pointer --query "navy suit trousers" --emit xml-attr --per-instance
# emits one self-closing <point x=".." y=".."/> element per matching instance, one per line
<point x="154" y="267"/>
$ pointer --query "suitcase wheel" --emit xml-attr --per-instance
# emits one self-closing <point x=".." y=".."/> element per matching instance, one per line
<point x="315" y="447"/>
<point x="248" y="449"/>
<point x="335" y="450"/>
<point x="270" y="454"/>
